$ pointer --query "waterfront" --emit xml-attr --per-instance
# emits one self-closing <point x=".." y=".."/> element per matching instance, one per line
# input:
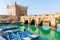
<point x="45" y="32"/>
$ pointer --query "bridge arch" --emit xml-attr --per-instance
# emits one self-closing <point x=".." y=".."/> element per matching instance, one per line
<point x="47" y="22"/>
<point x="26" y="22"/>
<point x="40" y="23"/>
<point x="33" y="22"/>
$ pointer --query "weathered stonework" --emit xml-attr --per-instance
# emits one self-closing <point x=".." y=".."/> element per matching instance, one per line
<point x="17" y="10"/>
<point x="49" y="19"/>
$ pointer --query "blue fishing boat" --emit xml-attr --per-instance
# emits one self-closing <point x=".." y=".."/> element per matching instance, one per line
<point x="13" y="33"/>
<point x="1" y="38"/>
<point x="31" y="34"/>
<point x="4" y="26"/>
<point x="13" y="36"/>
<point x="4" y="35"/>
<point x="10" y="30"/>
<point x="24" y="36"/>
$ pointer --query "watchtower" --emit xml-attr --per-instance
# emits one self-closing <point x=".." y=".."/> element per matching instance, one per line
<point x="17" y="10"/>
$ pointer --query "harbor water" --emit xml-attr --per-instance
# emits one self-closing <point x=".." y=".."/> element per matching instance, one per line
<point x="44" y="32"/>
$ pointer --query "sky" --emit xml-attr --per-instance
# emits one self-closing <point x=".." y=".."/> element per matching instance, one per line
<point x="35" y="7"/>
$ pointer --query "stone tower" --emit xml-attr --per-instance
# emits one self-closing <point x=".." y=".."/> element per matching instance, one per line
<point x="17" y="10"/>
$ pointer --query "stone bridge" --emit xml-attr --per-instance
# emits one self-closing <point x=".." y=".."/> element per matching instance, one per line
<point x="39" y="20"/>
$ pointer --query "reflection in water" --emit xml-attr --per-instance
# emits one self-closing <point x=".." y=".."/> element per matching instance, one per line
<point x="58" y="32"/>
<point x="45" y="26"/>
<point x="26" y="26"/>
<point x="44" y="32"/>
<point x="57" y="35"/>
<point x="43" y="38"/>
<point x="58" y="28"/>
<point x="32" y="27"/>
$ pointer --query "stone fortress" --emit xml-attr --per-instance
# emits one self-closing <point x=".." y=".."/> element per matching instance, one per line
<point x="17" y="10"/>
<point x="19" y="13"/>
<point x="14" y="13"/>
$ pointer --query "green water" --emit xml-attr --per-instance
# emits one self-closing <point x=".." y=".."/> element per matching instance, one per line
<point x="44" y="34"/>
